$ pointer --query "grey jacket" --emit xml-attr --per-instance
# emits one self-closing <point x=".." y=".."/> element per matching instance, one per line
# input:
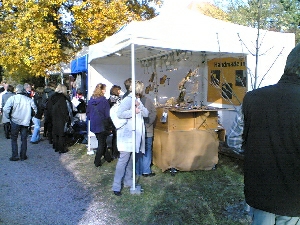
<point x="149" y="121"/>
<point x="21" y="109"/>
<point x="4" y="100"/>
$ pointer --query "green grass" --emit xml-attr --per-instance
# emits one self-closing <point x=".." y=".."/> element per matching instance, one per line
<point x="195" y="197"/>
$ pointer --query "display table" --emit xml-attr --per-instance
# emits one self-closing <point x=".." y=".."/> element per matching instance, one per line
<point x="188" y="140"/>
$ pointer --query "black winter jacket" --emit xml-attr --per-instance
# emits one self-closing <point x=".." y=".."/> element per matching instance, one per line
<point x="57" y="110"/>
<point x="38" y="102"/>
<point x="272" y="147"/>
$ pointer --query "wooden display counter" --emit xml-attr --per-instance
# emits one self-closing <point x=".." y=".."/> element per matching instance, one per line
<point x="188" y="140"/>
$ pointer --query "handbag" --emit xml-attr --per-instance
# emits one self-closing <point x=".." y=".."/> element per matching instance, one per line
<point x="109" y="126"/>
<point x="68" y="129"/>
<point x="118" y="123"/>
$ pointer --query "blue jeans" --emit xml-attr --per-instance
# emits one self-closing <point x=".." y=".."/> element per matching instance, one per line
<point x="260" y="217"/>
<point x="15" y="129"/>
<point x="143" y="161"/>
<point x="36" y="132"/>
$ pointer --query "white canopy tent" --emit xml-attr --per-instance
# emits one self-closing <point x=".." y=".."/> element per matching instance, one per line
<point x="203" y="38"/>
<point x="191" y="40"/>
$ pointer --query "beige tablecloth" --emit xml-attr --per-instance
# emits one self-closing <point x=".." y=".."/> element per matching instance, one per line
<point x="185" y="150"/>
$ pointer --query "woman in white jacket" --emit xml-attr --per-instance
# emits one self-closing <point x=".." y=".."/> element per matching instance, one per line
<point x="123" y="173"/>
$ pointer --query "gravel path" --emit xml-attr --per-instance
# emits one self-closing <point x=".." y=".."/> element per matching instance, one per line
<point x="44" y="190"/>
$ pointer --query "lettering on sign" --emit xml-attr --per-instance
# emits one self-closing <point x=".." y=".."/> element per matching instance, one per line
<point x="229" y="64"/>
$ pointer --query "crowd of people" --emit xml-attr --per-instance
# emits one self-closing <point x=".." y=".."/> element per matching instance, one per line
<point x="23" y="107"/>
<point x="110" y="120"/>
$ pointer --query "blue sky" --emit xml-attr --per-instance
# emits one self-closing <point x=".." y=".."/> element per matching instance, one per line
<point x="171" y="4"/>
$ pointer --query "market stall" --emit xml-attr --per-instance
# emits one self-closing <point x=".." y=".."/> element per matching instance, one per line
<point x="190" y="59"/>
<point x="175" y="42"/>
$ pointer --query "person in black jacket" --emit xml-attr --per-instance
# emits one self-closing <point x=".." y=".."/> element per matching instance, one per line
<point x="59" y="108"/>
<point x="48" y="92"/>
<point x="272" y="148"/>
<point x="29" y="93"/>
<point x="37" y="98"/>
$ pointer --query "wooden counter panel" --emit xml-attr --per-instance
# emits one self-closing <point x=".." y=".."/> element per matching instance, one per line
<point x="180" y="121"/>
<point x="185" y="150"/>
<point x="187" y="120"/>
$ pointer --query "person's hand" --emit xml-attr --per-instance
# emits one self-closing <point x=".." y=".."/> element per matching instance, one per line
<point x="137" y="110"/>
<point x="137" y="103"/>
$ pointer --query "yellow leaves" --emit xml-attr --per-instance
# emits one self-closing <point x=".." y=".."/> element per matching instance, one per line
<point x="28" y="41"/>
<point x="96" y="19"/>
<point x="33" y="38"/>
<point x="26" y="61"/>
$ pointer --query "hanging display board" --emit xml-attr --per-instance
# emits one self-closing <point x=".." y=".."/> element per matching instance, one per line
<point x="227" y="80"/>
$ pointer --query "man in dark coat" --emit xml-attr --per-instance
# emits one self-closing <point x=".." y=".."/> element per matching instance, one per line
<point x="272" y="148"/>
<point x="48" y="92"/>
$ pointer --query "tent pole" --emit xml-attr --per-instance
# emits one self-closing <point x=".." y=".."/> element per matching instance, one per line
<point x="89" y="151"/>
<point x="135" y="189"/>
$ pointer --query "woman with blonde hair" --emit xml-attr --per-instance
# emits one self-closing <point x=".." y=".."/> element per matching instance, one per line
<point x="59" y="107"/>
<point x="123" y="173"/>
<point x="97" y="112"/>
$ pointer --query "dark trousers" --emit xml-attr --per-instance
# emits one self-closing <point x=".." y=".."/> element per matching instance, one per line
<point x="101" y="137"/>
<point x="7" y="129"/>
<point x="111" y="142"/>
<point x="45" y="126"/>
<point x="15" y="129"/>
<point x="59" y="143"/>
<point x="50" y="135"/>
<point x="29" y="128"/>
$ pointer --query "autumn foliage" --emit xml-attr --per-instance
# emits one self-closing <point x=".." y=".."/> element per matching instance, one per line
<point x="36" y="36"/>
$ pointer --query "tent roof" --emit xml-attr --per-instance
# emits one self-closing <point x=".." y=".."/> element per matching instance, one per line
<point x="183" y="30"/>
